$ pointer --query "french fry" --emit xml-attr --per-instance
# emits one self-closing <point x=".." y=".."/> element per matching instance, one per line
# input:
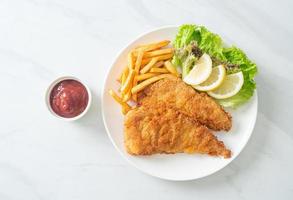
<point x="159" y="52"/>
<point x="162" y="57"/>
<point x="159" y="64"/>
<point x="153" y="46"/>
<point x="130" y="60"/>
<point x="159" y="70"/>
<point x="134" y="96"/>
<point x="125" y="109"/>
<point x="127" y="84"/>
<point x="127" y="96"/>
<point x="123" y="75"/>
<point x="116" y="97"/>
<point x="120" y="77"/>
<point x="125" y="106"/>
<point x="138" y="61"/>
<point x="154" y="53"/>
<point x="171" y="68"/>
<point x="137" y="68"/>
<point x="147" y="82"/>
<point x="149" y="66"/>
<point x="143" y="77"/>
<point x="123" y="78"/>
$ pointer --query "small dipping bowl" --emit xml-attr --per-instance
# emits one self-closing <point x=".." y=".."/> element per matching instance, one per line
<point x="70" y="83"/>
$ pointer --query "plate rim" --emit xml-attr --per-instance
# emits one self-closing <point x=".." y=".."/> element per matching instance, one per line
<point x="121" y="153"/>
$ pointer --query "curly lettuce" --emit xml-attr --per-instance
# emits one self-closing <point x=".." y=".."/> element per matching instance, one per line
<point x="207" y="41"/>
<point x="249" y="70"/>
<point x="233" y="58"/>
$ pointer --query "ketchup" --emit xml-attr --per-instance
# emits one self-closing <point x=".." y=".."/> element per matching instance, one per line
<point x="68" y="98"/>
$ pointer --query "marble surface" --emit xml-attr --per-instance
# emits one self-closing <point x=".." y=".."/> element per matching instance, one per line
<point x="44" y="158"/>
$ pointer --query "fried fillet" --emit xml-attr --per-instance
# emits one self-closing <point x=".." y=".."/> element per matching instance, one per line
<point x="161" y="129"/>
<point x="175" y="93"/>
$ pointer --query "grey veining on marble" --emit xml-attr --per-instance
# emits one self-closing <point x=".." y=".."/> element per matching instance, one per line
<point x="42" y="158"/>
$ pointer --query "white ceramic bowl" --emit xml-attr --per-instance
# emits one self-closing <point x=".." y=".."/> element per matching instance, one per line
<point x="179" y="166"/>
<point x="49" y="90"/>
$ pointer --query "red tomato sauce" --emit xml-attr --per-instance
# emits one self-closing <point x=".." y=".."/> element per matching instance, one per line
<point x="68" y="98"/>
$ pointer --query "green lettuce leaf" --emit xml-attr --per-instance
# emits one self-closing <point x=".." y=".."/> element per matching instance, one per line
<point x="249" y="70"/>
<point x="236" y="56"/>
<point x="207" y="41"/>
<point x="185" y="35"/>
<point x="210" y="43"/>
<point x="233" y="58"/>
<point x="188" y="64"/>
<point x="185" y="58"/>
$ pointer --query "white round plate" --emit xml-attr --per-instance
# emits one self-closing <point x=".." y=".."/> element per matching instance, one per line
<point x="180" y="166"/>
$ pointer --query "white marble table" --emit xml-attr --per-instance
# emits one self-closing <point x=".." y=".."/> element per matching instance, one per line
<point x="44" y="158"/>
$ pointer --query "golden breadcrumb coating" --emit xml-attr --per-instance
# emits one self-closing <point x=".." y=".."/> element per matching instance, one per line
<point x="162" y="129"/>
<point x="175" y="93"/>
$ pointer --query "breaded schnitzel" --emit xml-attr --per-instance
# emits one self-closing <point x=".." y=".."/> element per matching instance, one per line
<point x="175" y="93"/>
<point x="159" y="129"/>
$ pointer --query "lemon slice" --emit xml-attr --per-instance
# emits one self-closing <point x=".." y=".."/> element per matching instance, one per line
<point x="200" y="72"/>
<point x="231" y="85"/>
<point x="215" y="79"/>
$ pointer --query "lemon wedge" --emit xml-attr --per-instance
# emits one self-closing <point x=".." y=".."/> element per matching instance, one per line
<point x="200" y="72"/>
<point x="231" y="85"/>
<point x="215" y="79"/>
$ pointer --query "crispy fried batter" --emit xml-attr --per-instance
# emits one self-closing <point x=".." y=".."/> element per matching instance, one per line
<point x="174" y="92"/>
<point x="159" y="129"/>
